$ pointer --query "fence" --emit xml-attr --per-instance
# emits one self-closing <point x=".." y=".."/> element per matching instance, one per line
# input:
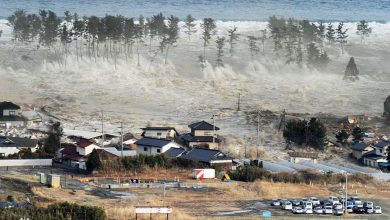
<point x="25" y="162"/>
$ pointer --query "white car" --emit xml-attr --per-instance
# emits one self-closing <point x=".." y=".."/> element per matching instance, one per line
<point x="308" y="210"/>
<point x="368" y="204"/>
<point x="356" y="201"/>
<point x="333" y="200"/>
<point x="328" y="210"/>
<point x="338" y="212"/>
<point x="287" y="205"/>
<point x="350" y="208"/>
<point x="318" y="210"/>
<point x="338" y="206"/>
<point x="377" y="210"/>
<point x="315" y="201"/>
<point x="297" y="210"/>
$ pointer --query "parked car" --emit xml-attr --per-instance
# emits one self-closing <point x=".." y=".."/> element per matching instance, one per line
<point x="358" y="210"/>
<point x="350" y="209"/>
<point x="295" y="202"/>
<point x="315" y="201"/>
<point x="308" y="210"/>
<point x="338" y="211"/>
<point x="338" y="206"/>
<point x="282" y="201"/>
<point x="318" y="210"/>
<point x="297" y="210"/>
<point x="368" y="204"/>
<point x="356" y="201"/>
<point x="307" y="204"/>
<point x="333" y="200"/>
<point x="287" y="205"/>
<point x="377" y="210"/>
<point x="328" y="210"/>
<point x="275" y="202"/>
<point x="369" y="210"/>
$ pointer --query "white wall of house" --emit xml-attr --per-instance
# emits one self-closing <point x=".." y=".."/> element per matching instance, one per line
<point x="10" y="112"/>
<point x="373" y="163"/>
<point x="381" y="151"/>
<point x="87" y="150"/>
<point x="203" y="133"/>
<point x="155" y="150"/>
<point x="5" y="151"/>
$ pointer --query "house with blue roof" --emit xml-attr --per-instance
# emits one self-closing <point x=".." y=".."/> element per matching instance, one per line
<point x="153" y="146"/>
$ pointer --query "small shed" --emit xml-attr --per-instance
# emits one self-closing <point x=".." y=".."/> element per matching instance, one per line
<point x="54" y="180"/>
<point x="42" y="178"/>
<point x="296" y="157"/>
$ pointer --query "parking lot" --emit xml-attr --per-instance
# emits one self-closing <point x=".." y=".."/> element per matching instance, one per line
<point x="326" y="207"/>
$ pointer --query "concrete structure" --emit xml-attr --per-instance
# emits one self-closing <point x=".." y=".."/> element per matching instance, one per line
<point x="168" y="133"/>
<point x="153" y="146"/>
<point x="25" y="162"/>
<point x="297" y="157"/>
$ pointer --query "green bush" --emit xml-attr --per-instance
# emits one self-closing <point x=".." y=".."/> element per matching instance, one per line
<point x="57" y="211"/>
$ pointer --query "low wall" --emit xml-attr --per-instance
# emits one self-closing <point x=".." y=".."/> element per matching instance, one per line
<point x="25" y="162"/>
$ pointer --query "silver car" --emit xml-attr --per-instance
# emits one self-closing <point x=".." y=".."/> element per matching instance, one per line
<point x="318" y="210"/>
<point x="369" y="210"/>
<point x="328" y="210"/>
<point x="377" y="210"/>
<point x="338" y="211"/>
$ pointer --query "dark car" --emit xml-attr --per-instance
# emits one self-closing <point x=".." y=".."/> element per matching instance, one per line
<point x="295" y="202"/>
<point x="358" y="210"/>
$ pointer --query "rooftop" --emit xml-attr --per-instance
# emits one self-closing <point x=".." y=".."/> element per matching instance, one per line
<point x="202" y="125"/>
<point x="382" y="144"/>
<point x="206" y="139"/>
<point x="9" y="105"/>
<point x="174" y="152"/>
<point x="205" y="155"/>
<point x="152" y="142"/>
<point x="360" y="146"/>
<point x="83" y="143"/>
<point x="159" y="128"/>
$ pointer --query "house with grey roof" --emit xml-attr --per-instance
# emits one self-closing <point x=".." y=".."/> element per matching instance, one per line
<point x="381" y="147"/>
<point x="360" y="149"/>
<point x="202" y="134"/>
<point x="12" y="145"/>
<point x="153" y="146"/>
<point x="209" y="157"/>
<point x="10" y="115"/>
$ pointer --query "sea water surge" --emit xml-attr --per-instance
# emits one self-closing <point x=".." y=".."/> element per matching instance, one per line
<point x="237" y="10"/>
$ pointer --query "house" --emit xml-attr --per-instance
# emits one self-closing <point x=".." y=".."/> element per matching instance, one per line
<point x="372" y="159"/>
<point x="202" y="134"/>
<point x="94" y="136"/>
<point x="360" y="149"/>
<point x="152" y="146"/>
<point x="85" y="147"/>
<point x="12" y="145"/>
<point x="168" y="133"/>
<point x="381" y="147"/>
<point x="210" y="157"/>
<point x="10" y="115"/>
<point x="296" y="157"/>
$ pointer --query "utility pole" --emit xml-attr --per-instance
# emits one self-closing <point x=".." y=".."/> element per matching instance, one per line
<point x="239" y="102"/>
<point x="213" y="128"/>
<point x="121" y="139"/>
<point x="346" y="192"/>
<point x="258" y="128"/>
<point x="102" y="128"/>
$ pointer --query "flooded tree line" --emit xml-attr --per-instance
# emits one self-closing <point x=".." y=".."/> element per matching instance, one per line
<point x="113" y="37"/>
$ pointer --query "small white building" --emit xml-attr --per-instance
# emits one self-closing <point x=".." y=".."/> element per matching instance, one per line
<point x="297" y="157"/>
<point x="85" y="147"/>
<point x="153" y="146"/>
